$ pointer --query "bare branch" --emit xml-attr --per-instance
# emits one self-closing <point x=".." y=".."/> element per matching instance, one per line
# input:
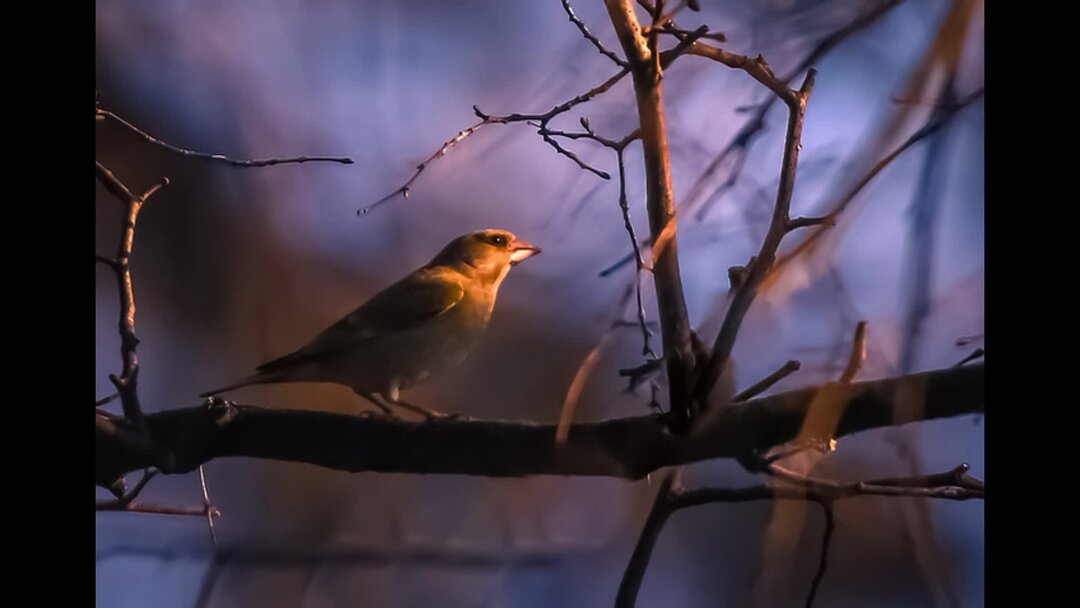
<point x="826" y="540"/>
<point x="102" y="113"/>
<point x="403" y="191"/>
<point x="763" y="261"/>
<point x="124" y="501"/>
<point x="951" y="485"/>
<point x="489" y="119"/>
<point x="160" y="510"/>
<point x="208" y="508"/>
<point x="842" y="202"/>
<point x="767" y="382"/>
<point x="590" y="37"/>
<point x="642" y="54"/>
<point x="741" y="143"/>
<point x="978" y="353"/>
<point x="121" y="265"/>
<point x="806" y="222"/>
<point x="627" y="447"/>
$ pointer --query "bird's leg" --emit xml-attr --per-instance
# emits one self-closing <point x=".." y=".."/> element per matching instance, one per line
<point x="386" y="409"/>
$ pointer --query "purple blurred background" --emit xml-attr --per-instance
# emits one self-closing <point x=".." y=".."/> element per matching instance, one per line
<point x="236" y="266"/>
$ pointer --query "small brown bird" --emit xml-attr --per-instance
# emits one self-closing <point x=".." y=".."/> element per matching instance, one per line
<point x="422" y="325"/>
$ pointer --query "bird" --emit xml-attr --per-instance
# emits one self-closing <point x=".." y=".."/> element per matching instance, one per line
<point x="423" y="325"/>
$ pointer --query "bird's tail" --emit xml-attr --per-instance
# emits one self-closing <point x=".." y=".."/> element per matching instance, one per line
<point x="259" y="378"/>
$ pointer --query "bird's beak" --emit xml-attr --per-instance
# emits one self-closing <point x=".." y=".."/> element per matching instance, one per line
<point x="521" y="250"/>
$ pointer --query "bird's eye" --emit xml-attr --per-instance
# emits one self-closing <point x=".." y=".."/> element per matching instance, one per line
<point x="499" y="240"/>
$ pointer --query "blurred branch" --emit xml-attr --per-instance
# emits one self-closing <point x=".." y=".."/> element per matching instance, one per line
<point x="743" y="140"/>
<point x="978" y="353"/>
<point x="936" y="121"/>
<point x="161" y="510"/>
<point x="747" y="289"/>
<point x="102" y="113"/>
<point x="955" y="484"/>
<point x="858" y="354"/>
<point x="626" y="447"/>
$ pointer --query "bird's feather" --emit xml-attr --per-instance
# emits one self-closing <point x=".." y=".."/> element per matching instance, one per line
<point x="419" y="297"/>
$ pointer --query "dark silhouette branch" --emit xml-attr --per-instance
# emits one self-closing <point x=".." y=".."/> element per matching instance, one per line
<point x="747" y="290"/>
<point x="978" y="353"/>
<point x="936" y="121"/>
<point x="955" y="484"/>
<point x="767" y="382"/>
<point x="102" y="113"/>
<point x="490" y="119"/>
<point x="627" y="447"/>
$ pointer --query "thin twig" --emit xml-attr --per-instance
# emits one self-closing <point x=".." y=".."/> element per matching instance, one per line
<point x="236" y="162"/>
<point x="978" y="353"/>
<point x="826" y="540"/>
<point x="763" y="261"/>
<point x="403" y="190"/>
<point x="125" y="500"/>
<point x="126" y="382"/>
<point x="208" y="509"/>
<point x="767" y="382"/>
<point x="159" y="510"/>
<point x="955" y="484"/>
<point x="490" y="119"/>
<point x="104" y="400"/>
<point x="743" y="140"/>
<point x="619" y="61"/>
<point x="842" y="202"/>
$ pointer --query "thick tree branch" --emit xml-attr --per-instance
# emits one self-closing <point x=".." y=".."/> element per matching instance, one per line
<point x="641" y="52"/>
<point x="627" y="447"/>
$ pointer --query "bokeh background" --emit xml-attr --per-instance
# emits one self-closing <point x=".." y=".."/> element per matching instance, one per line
<point x="236" y="266"/>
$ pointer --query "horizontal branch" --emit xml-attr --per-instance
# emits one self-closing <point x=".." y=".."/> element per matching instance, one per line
<point x="236" y="162"/>
<point x="626" y="447"/>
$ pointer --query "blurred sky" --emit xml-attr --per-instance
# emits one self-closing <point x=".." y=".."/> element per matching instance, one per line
<point x="236" y="266"/>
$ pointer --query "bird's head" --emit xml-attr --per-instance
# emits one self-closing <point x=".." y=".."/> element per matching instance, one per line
<point x="487" y="254"/>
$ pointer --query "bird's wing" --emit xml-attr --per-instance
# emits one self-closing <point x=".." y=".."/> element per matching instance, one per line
<point x="419" y="297"/>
